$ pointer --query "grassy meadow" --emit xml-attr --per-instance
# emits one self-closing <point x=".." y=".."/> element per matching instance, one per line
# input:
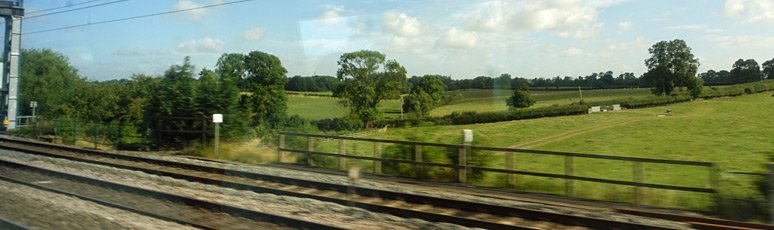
<point x="322" y="107"/>
<point x="734" y="132"/>
<point x="307" y="105"/>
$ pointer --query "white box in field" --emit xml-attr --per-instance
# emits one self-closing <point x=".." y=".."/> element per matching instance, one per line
<point x="217" y="118"/>
<point x="467" y="136"/>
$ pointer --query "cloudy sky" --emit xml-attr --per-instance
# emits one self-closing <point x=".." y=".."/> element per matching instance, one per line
<point x="462" y="39"/>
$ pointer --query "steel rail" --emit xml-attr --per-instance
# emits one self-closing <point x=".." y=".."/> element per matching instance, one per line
<point x="596" y="223"/>
<point x="215" y="207"/>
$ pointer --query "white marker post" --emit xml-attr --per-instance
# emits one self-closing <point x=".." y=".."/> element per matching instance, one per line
<point x="217" y="119"/>
<point x="354" y="175"/>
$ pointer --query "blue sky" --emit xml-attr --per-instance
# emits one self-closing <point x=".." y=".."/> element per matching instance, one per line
<point x="462" y="39"/>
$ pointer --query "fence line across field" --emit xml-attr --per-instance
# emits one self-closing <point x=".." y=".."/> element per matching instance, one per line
<point x="465" y="170"/>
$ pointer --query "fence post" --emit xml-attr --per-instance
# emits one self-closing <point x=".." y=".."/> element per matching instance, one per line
<point x="310" y="148"/>
<point x="638" y="178"/>
<point x="462" y="171"/>
<point x="342" y="151"/>
<point x="714" y="179"/>
<point x="417" y="158"/>
<point x="509" y="166"/>
<point x="377" y="154"/>
<point x="569" y="170"/>
<point x="280" y="147"/>
<point x="771" y="191"/>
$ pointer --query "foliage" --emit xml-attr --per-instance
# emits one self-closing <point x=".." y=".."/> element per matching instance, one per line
<point x="671" y="65"/>
<point x="520" y="99"/>
<point x="312" y="84"/>
<point x="338" y="124"/>
<point x="432" y="154"/>
<point x="426" y="93"/>
<point x="49" y="79"/>
<point x="219" y="94"/>
<point x="746" y="71"/>
<point x="175" y="97"/>
<point x="768" y="69"/>
<point x="367" y="79"/>
<point x="472" y="117"/>
<point x="265" y="78"/>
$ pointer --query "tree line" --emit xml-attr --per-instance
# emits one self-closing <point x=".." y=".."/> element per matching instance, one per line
<point x="249" y="89"/>
<point x="742" y="71"/>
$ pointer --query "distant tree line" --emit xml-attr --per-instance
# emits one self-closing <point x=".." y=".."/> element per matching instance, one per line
<point x="742" y="71"/>
<point x="312" y="83"/>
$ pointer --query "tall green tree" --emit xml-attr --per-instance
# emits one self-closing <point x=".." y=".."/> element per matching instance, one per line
<point x="520" y="97"/>
<point x="49" y="79"/>
<point x="768" y="69"/>
<point x="220" y="95"/>
<point x="426" y="93"/>
<point x="746" y="71"/>
<point x="266" y="78"/>
<point x="175" y="97"/>
<point x="671" y="65"/>
<point x="367" y="79"/>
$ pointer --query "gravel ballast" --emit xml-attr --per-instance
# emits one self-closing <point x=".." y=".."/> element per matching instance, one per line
<point x="47" y="210"/>
<point x="305" y="209"/>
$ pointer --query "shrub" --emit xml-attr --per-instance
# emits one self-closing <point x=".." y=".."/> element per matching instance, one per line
<point x="338" y="124"/>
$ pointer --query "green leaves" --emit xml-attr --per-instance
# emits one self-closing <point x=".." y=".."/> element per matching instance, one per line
<point x="671" y="65"/>
<point x="366" y="80"/>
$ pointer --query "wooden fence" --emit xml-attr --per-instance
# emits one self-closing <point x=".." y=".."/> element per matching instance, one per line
<point x="464" y="170"/>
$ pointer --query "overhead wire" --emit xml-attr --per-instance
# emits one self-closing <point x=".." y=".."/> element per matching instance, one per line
<point x="81" y="8"/>
<point x="62" y="7"/>
<point x="136" y="17"/>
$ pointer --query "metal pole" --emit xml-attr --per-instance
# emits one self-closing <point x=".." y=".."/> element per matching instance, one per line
<point x="771" y="192"/>
<point x="217" y="139"/>
<point x="569" y="170"/>
<point x="637" y="170"/>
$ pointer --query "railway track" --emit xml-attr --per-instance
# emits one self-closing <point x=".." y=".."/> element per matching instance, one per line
<point x="400" y="204"/>
<point x="160" y="205"/>
<point x="11" y="225"/>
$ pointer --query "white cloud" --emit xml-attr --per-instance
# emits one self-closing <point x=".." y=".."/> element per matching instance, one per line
<point x="254" y="34"/>
<point x="458" y="39"/>
<point x="204" y="45"/>
<point x="189" y="4"/>
<point x="752" y="10"/>
<point x="332" y="15"/>
<point x="733" y="7"/>
<point x="624" y="25"/>
<point x="572" y="52"/>
<point x="401" y="24"/>
<point x="687" y="27"/>
<point x="695" y="27"/>
<point x="741" y="41"/>
<point x="566" y="18"/>
<point x="139" y="52"/>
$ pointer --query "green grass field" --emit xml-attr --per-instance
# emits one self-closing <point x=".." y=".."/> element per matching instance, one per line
<point x="481" y="100"/>
<point x="736" y="133"/>
<point x="313" y="107"/>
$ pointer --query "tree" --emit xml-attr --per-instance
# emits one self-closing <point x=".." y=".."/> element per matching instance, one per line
<point x="746" y="71"/>
<point x="367" y="78"/>
<point x="768" y="69"/>
<point x="175" y="97"/>
<point x="503" y="81"/>
<point x="266" y="80"/>
<point x="426" y="93"/>
<point x="418" y="103"/>
<point x="671" y="65"/>
<point x="520" y="97"/>
<point x="47" y="78"/>
<point x="219" y="94"/>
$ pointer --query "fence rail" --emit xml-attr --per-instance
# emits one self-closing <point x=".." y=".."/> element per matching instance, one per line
<point x="465" y="170"/>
